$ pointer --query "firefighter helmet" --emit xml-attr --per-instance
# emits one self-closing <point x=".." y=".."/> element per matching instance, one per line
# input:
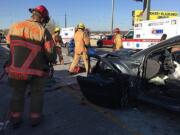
<point x="57" y="29"/>
<point x="81" y="26"/>
<point x="116" y="30"/>
<point x="42" y="10"/>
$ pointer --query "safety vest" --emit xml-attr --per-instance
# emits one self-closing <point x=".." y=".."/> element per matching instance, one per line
<point x="28" y="56"/>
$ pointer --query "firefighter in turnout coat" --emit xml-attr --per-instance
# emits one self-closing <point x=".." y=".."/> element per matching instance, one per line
<point x="32" y="49"/>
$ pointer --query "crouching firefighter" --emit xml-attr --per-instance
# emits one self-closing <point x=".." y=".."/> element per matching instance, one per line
<point x="32" y="50"/>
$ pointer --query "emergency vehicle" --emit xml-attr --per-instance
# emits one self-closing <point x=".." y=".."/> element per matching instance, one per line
<point x="67" y="34"/>
<point x="148" y="33"/>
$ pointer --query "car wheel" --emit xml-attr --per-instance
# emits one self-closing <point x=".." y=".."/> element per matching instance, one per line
<point x="99" y="45"/>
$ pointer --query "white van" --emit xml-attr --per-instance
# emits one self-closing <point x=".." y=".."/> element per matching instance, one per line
<point x="67" y="34"/>
<point x="148" y="33"/>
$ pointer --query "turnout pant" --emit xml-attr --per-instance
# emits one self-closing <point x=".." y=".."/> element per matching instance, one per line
<point x="36" y="97"/>
<point x="117" y="47"/>
<point x="76" y="59"/>
<point x="59" y="53"/>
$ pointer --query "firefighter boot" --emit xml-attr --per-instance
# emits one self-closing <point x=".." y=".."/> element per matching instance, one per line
<point x="61" y="60"/>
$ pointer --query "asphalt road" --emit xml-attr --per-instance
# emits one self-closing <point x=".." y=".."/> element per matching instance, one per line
<point x="68" y="113"/>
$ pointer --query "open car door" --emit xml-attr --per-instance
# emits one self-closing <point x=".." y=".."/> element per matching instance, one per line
<point x="102" y="86"/>
<point x="162" y="80"/>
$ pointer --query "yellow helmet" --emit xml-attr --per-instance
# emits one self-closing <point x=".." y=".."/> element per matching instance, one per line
<point x="81" y="26"/>
<point x="57" y="29"/>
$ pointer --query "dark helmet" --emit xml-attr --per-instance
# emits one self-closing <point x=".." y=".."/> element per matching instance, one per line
<point x="116" y="30"/>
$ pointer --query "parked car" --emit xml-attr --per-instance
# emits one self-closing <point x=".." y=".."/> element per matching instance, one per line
<point x="151" y="75"/>
<point x="2" y="39"/>
<point x="106" y="41"/>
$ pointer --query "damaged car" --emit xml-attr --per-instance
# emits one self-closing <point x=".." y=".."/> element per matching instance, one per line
<point x="151" y="75"/>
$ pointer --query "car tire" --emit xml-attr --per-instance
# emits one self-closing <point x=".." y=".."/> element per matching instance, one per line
<point x="99" y="45"/>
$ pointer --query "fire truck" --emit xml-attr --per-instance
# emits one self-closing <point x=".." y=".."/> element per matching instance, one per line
<point x="148" y="33"/>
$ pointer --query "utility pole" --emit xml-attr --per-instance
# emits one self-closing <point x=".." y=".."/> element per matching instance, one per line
<point x="146" y="9"/>
<point x="65" y="20"/>
<point x="112" y="22"/>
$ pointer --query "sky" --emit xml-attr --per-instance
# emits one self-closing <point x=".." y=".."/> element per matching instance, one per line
<point x="95" y="14"/>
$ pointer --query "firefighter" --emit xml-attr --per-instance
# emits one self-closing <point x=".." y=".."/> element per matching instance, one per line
<point x="117" y="40"/>
<point x="32" y="49"/>
<point x="58" y="41"/>
<point x="81" y="40"/>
